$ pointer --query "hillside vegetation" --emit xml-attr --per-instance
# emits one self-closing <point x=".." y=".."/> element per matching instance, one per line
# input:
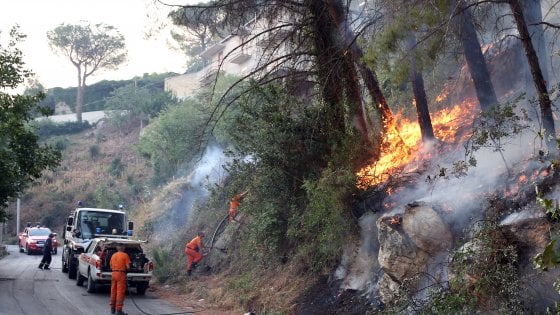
<point x="380" y="171"/>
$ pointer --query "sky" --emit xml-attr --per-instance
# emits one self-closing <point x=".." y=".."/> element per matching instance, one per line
<point x="133" y="18"/>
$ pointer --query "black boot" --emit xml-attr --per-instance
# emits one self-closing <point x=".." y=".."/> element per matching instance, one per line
<point x="41" y="265"/>
<point x="121" y="313"/>
<point x="189" y="272"/>
<point x="46" y="267"/>
<point x="112" y="311"/>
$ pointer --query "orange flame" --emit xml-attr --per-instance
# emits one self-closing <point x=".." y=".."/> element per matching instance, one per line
<point x="402" y="144"/>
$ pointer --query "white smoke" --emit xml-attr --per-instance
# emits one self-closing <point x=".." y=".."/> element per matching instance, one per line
<point x="207" y="171"/>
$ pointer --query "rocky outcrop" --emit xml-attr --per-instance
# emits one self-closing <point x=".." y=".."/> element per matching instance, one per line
<point x="530" y="234"/>
<point x="407" y="246"/>
<point x="413" y="244"/>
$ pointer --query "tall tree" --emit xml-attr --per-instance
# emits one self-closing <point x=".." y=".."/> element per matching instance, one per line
<point x="90" y="48"/>
<point x="22" y="157"/>
<point x="540" y="84"/>
<point x="475" y="58"/>
<point x="200" y="27"/>
<point x="311" y="37"/>
<point x="532" y="11"/>
<point x="420" y="98"/>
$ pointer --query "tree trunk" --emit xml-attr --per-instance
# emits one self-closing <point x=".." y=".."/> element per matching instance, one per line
<point x="422" y="111"/>
<point x="79" y="96"/>
<point x="339" y="77"/>
<point x="348" y="45"/>
<point x="540" y="85"/>
<point x="533" y="14"/>
<point x="475" y="60"/>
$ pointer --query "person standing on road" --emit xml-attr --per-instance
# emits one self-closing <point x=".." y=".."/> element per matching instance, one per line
<point x="47" y="253"/>
<point x="194" y="252"/>
<point x="120" y="264"/>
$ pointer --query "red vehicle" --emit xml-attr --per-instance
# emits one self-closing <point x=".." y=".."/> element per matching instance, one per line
<point x="32" y="239"/>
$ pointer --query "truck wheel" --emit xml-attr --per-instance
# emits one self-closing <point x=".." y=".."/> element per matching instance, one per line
<point x="64" y="263"/>
<point x="141" y="288"/>
<point x="79" y="279"/>
<point x="90" y="284"/>
<point x="72" y="270"/>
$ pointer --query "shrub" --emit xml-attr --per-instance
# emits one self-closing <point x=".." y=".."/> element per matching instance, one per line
<point x="484" y="277"/>
<point x="117" y="168"/>
<point x="165" y="265"/>
<point x="48" y="128"/>
<point x="61" y="144"/>
<point x="94" y="151"/>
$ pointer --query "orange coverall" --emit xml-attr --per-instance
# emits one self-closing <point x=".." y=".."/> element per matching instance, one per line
<point x="233" y="204"/>
<point x="193" y="251"/>
<point x="120" y="263"/>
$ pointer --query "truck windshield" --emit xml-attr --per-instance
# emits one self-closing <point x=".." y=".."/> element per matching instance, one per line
<point x="39" y="232"/>
<point x="96" y="222"/>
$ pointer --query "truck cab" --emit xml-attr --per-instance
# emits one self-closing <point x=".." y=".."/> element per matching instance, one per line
<point x="85" y="224"/>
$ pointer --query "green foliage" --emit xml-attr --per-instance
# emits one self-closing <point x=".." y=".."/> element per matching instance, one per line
<point x="166" y="267"/>
<point x="91" y="47"/>
<point x="61" y="144"/>
<point x="98" y="94"/>
<point x="484" y="276"/>
<point x="294" y="207"/>
<point x="173" y="138"/>
<point x="198" y="28"/>
<point x="117" y="167"/>
<point x="94" y="151"/>
<point x="22" y="157"/>
<point x="134" y="102"/>
<point x="49" y="128"/>
<point x="494" y="129"/>
<point x="549" y="258"/>
<point x="390" y="50"/>
<point x="179" y="133"/>
<point x="326" y="222"/>
<point x="105" y="196"/>
<point x="244" y="287"/>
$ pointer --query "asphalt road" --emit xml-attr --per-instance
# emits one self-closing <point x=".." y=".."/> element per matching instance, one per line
<point x="26" y="289"/>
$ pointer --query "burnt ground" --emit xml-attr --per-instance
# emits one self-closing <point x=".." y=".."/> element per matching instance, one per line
<point x="325" y="298"/>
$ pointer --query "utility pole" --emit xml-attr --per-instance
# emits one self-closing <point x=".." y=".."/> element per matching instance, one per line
<point x="17" y="216"/>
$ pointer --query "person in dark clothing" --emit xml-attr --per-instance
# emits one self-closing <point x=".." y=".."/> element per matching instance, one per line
<point x="47" y="250"/>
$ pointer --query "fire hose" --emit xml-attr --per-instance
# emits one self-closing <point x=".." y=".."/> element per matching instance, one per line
<point x="223" y="250"/>
<point x="146" y="313"/>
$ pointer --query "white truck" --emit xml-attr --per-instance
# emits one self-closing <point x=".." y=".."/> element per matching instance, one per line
<point x="94" y="267"/>
<point x="85" y="224"/>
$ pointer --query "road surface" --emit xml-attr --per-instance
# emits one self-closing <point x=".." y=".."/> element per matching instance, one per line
<point x="26" y="289"/>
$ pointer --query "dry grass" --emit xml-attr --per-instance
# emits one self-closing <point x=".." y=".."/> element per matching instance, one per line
<point x="271" y="293"/>
<point x="56" y="193"/>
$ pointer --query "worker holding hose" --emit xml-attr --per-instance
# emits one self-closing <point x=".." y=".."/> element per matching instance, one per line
<point x="194" y="252"/>
<point x="234" y="204"/>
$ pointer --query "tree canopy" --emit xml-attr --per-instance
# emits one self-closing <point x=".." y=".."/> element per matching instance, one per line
<point x="22" y="157"/>
<point x="90" y="48"/>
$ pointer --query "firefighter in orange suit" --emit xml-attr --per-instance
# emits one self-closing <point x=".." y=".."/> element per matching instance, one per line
<point x="233" y="204"/>
<point x="120" y="264"/>
<point x="194" y="252"/>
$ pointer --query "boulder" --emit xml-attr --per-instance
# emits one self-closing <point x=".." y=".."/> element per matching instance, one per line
<point x="413" y="245"/>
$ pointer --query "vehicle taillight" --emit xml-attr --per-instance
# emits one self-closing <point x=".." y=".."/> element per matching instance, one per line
<point x="97" y="264"/>
<point x="151" y="266"/>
